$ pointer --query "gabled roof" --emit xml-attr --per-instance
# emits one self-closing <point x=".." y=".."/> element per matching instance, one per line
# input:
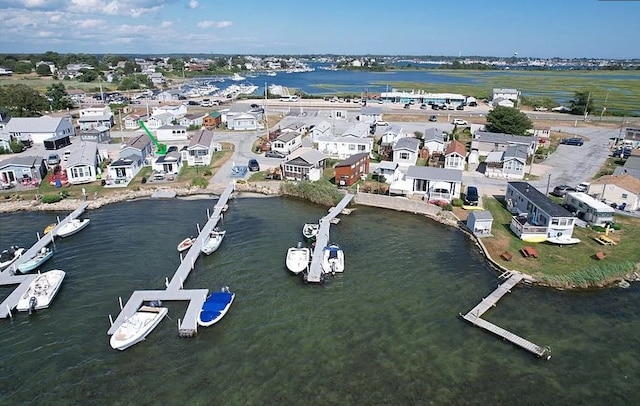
<point x="242" y="116"/>
<point x="162" y="117"/>
<point x="518" y="152"/>
<point x="626" y="182"/>
<point x="393" y="129"/>
<point x="322" y="126"/>
<point x="173" y="156"/>
<point x="308" y="155"/>
<point x="456" y="147"/>
<point x="202" y="139"/>
<point x="288" y="136"/>
<point x="540" y="200"/>
<point x="359" y="129"/>
<point x="352" y="159"/>
<point x="215" y="114"/>
<point x="44" y="124"/>
<point x="434" y="134"/>
<point x="193" y="116"/>
<point x="84" y="154"/>
<point x="392" y="166"/>
<point x="26" y="161"/>
<point x="633" y="162"/>
<point x="431" y="173"/>
<point x="481" y="215"/>
<point x="140" y="142"/>
<point x="410" y="143"/>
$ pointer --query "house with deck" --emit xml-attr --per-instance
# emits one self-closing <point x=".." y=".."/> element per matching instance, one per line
<point x="304" y="164"/>
<point x="434" y="140"/>
<point x="434" y="184"/>
<point x="170" y="163"/>
<point x="83" y="164"/>
<point x="242" y="122"/>
<point x="23" y="170"/>
<point x="536" y="216"/>
<point x="345" y="146"/>
<point x="287" y="142"/>
<point x="388" y="170"/>
<point x="201" y="149"/>
<point x="508" y="164"/>
<point x="406" y="151"/>
<point x="212" y="119"/>
<point x="52" y="132"/>
<point x="455" y="156"/>
<point x="352" y="169"/>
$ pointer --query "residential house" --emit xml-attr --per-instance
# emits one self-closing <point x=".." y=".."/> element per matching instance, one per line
<point x="242" y="122"/>
<point x="503" y="102"/>
<point x="632" y="136"/>
<point x="212" y="119"/>
<point x="480" y="223"/>
<point x="485" y="142"/>
<point x="287" y="142"/>
<point x="587" y="208"/>
<point x="192" y="120"/>
<point x="170" y="163"/>
<point x="22" y="170"/>
<point x="172" y="133"/>
<point x="297" y="127"/>
<point x="101" y="135"/>
<point x="140" y="147"/>
<point x="52" y="132"/>
<point x="434" y="140"/>
<point x="159" y="120"/>
<point x="630" y="167"/>
<point x="370" y="114"/>
<point x="623" y="190"/>
<point x="176" y="111"/>
<point x="132" y="121"/>
<point x="537" y="217"/>
<point x="405" y="152"/>
<point x="544" y="136"/>
<point x="304" y="164"/>
<point x="170" y="95"/>
<point x="509" y="164"/>
<point x="157" y="78"/>
<point x="83" y="163"/>
<point x="506" y="94"/>
<point x="389" y="170"/>
<point x="95" y="117"/>
<point x="321" y="130"/>
<point x="360" y="130"/>
<point x="455" y="155"/>
<point x="434" y="184"/>
<point x="200" y="149"/>
<point x="344" y="147"/>
<point x="392" y="134"/>
<point x="352" y="169"/>
<point x="121" y="171"/>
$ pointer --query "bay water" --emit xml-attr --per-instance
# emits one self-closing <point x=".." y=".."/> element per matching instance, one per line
<point x="386" y="332"/>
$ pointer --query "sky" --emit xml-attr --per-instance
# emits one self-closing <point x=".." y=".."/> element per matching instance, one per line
<point x="501" y="28"/>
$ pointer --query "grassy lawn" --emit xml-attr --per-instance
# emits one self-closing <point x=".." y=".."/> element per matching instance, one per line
<point x="609" y="167"/>
<point x="565" y="265"/>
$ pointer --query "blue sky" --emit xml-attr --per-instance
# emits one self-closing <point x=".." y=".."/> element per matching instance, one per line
<point x="543" y="28"/>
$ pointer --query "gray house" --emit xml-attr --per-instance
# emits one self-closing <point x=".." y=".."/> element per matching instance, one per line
<point x="406" y="150"/>
<point x="22" y="170"/>
<point x="435" y="183"/>
<point x="370" y="114"/>
<point x="508" y="164"/>
<point x="485" y="142"/>
<point x="52" y="132"/>
<point x="200" y="149"/>
<point x="100" y="135"/>
<point x="82" y="164"/>
<point x="480" y="222"/>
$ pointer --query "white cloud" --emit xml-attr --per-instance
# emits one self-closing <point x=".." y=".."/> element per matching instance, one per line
<point x="216" y="24"/>
<point x="91" y="23"/>
<point x="193" y="4"/>
<point x="166" y="24"/>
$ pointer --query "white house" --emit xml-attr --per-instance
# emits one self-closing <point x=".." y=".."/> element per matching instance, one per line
<point x="171" y="163"/>
<point x="502" y="102"/>
<point x="192" y="120"/>
<point x="56" y="131"/>
<point x="287" y="142"/>
<point x="434" y="140"/>
<point x="172" y="133"/>
<point x="485" y="142"/>
<point x="455" y="155"/>
<point x="506" y="94"/>
<point x="200" y="149"/>
<point x="360" y="130"/>
<point x="242" y="122"/>
<point x="405" y="152"/>
<point x="304" y="164"/>
<point x="82" y="164"/>
<point x="344" y="147"/>
<point x="618" y="189"/>
<point x="392" y="134"/>
<point x="390" y="170"/>
<point x="131" y="122"/>
<point x="434" y="184"/>
<point x="95" y="117"/>
<point x="370" y="114"/>
<point x="158" y="120"/>
<point x="176" y="111"/>
<point x="321" y="130"/>
<point x="509" y="164"/>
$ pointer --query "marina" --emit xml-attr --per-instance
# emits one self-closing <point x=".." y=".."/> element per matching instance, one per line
<point x="474" y="317"/>
<point x="175" y="291"/>
<point x="9" y="277"/>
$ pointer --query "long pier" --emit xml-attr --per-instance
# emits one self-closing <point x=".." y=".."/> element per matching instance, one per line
<point x="175" y="291"/>
<point x="9" y="277"/>
<point x="474" y="317"/>
<point x="322" y="239"/>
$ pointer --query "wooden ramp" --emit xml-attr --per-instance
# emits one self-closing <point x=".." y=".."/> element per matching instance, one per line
<point x="473" y="316"/>
<point x="322" y="239"/>
<point x="174" y="289"/>
<point x="9" y="277"/>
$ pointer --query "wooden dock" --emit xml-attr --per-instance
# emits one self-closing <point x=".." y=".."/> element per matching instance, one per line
<point x="322" y="239"/>
<point x="175" y="291"/>
<point x="474" y="317"/>
<point x="9" y="277"/>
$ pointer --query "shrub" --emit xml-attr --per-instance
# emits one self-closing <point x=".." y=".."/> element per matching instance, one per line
<point x="51" y="198"/>
<point x="457" y="202"/>
<point x="207" y="172"/>
<point x="320" y="192"/>
<point x="199" y="183"/>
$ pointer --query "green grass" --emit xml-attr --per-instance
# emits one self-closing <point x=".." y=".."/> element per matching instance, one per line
<point x="567" y="266"/>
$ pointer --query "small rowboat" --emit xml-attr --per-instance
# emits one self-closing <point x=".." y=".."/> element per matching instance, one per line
<point x="186" y="244"/>
<point x="50" y="228"/>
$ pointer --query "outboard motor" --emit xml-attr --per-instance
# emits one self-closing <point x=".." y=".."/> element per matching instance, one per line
<point x="33" y="301"/>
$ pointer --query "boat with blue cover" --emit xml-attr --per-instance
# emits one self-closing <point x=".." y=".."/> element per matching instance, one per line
<point x="215" y="307"/>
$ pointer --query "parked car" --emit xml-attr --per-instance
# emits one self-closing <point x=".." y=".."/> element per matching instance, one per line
<point x="53" y="159"/>
<point x="382" y="123"/>
<point x="562" y="190"/>
<point x="471" y="197"/>
<point x="582" y="187"/>
<point x="460" y="107"/>
<point x="274" y="154"/>
<point x="458" y="121"/>
<point x="572" y="141"/>
<point x="423" y="107"/>
<point x="433" y="118"/>
<point x="253" y="165"/>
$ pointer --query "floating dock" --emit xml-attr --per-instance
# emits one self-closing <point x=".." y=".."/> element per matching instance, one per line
<point x="9" y="277"/>
<point x="473" y="317"/>
<point x="174" y="288"/>
<point x="322" y="239"/>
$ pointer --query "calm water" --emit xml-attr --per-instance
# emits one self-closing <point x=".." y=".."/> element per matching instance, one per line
<point x="385" y="332"/>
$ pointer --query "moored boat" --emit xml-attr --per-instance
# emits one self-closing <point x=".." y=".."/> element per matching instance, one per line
<point x="8" y="256"/>
<point x="41" y="292"/>
<point x="41" y="257"/>
<point x="215" y="307"/>
<point x="213" y="241"/>
<point x="310" y="231"/>
<point x="332" y="259"/>
<point x="562" y="240"/>
<point x="186" y="244"/>
<point x="72" y="227"/>
<point x="50" y="228"/>
<point x="298" y="258"/>
<point x="137" y="327"/>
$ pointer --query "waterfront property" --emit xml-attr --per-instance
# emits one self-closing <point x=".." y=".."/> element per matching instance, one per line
<point x="350" y="170"/>
<point x="537" y="217"/>
<point x="588" y="209"/>
<point x="23" y="170"/>
<point x="390" y="171"/>
<point x="200" y="149"/>
<point x="170" y="163"/>
<point x="304" y="164"/>
<point x="480" y="223"/>
<point x="434" y="184"/>
<point x="131" y="159"/>
<point x="83" y="163"/>
<point x="287" y="142"/>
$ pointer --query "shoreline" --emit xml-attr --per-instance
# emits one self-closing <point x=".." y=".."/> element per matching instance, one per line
<point x="258" y="190"/>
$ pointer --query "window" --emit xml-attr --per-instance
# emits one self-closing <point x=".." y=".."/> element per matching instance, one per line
<point x="362" y="148"/>
<point x="404" y="155"/>
<point x="624" y="195"/>
<point x="352" y="147"/>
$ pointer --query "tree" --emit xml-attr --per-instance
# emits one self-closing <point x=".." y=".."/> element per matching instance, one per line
<point x="581" y="103"/>
<point x="22" y="67"/>
<point x="88" y="75"/>
<point x="508" y="120"/>
<point x="22" y="101"/>
<point x="43" y="70"/>
<point x="58" y="97"/>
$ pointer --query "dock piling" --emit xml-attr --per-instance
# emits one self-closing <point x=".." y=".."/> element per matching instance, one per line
<point x="110" y="320"/>
<point x="120" y="301"/>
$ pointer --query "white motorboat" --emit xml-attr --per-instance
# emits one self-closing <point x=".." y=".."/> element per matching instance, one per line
<point x="41" y="291"/>
<point x="298" y="258"/>
<point x="332" y="259"/>
<point x="310" y="231"/>
<point x="213" y="241"/>
<point x="72" y="227"/>
<point x="237" y="77"/>
<point x="215" y="307"/>
<point x="41" y="257"/>
<point x="137" y="327"/>
<point x="8" y="256"/>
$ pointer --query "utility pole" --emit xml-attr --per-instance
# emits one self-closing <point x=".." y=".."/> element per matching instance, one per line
<point x="586" y="111"/>
<point x="548" y="183"/>
<point x="604" y="107"/>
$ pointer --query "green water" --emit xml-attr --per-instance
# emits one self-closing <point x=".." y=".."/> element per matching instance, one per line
<point x="386" y="332"/>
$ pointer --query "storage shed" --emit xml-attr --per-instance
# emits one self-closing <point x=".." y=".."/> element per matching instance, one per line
<point x="480" y="222"/>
